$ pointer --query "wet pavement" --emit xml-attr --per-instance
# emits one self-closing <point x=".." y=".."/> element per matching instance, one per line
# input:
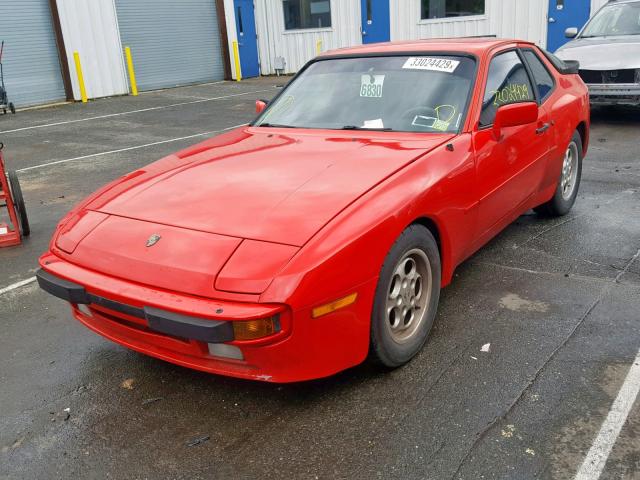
<point x="558" y="300"/>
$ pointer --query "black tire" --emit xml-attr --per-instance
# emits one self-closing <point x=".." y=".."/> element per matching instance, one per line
<point x="12" y="108"/>
<point x="560" y="204"/>
<point x="18" y="200"/>
<point x="384" y="349"/>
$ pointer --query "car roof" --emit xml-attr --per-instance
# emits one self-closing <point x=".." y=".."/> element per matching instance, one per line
<point x="613" y="2"/>
<point x="473" y="45"/>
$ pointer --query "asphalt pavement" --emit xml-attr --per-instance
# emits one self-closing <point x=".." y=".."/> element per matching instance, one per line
<point x="557" y="300"/>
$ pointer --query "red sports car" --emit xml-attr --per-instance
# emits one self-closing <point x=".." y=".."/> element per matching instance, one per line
<point x="321" y="234"/>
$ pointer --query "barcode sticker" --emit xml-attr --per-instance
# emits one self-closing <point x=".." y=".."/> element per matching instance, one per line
<point x="431" y="63"/>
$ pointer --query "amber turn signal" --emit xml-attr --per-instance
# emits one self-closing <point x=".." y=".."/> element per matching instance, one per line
<point x="254" y="329"/>
<point x="333" y="306"/>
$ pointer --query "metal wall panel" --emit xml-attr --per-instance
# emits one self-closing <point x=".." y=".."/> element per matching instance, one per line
<point x="299" y="46"/>
<point x="172" y="42"/>
<point x="523" y="19"/>
<point x="91" y="29"/>
<point x="31" y="62"/>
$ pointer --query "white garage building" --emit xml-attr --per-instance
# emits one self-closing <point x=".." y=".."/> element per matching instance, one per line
<point x="291" y="29"/>
<point x="174" y="42"/>
<point x="179" y="42"/>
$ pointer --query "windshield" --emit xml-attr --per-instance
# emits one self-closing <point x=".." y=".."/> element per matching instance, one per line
<point x="399" y="93"/>
<point x="621" y="19"/>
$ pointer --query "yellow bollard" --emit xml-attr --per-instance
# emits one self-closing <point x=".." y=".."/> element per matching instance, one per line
<point x="236" y="60"/>
<point x="132" y="73"/>
<point x="318" y="47"/>
<point x="83" y="90"/>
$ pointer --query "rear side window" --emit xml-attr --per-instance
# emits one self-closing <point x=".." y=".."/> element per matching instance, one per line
<point x="507" y="82"/>
<point x="541" y="76"/>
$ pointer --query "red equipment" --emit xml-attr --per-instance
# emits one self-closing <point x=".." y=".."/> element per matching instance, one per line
<point x="11" y="197"/>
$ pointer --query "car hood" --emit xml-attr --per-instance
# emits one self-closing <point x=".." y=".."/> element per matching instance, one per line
<point x="603" y="53"/>
<point x="272" y="185"/>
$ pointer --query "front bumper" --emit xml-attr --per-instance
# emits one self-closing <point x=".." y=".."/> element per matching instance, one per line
<point x="614" y="93"/>
<point x="158" y="320"/>
<point x="181" y="329"/>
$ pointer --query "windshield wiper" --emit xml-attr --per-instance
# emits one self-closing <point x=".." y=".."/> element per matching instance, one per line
<point x="353" y="127"/>
<point x="275" y="125"/>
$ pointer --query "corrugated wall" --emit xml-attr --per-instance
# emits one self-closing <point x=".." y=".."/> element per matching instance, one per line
<point x="299" y="46"/>
<point x="31" y="63"/>
<point x="525" y="19"/>
<point x="172" y="42"/>
<point x="91" y="29"/>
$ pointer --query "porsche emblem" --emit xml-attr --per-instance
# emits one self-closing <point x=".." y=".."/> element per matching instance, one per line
<point x="153" y="239"/>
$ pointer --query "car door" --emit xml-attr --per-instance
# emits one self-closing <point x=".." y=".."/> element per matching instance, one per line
<point x="545" y="85"/>
<point x="509" y="168"/>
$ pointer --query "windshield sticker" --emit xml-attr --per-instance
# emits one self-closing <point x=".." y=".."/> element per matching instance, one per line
<point x="377" y="123"/>
<point x="431" y="63"/>
<point x="371" y="85"/>
<point x="510" y="94"/>
<point x="445" y="114"/>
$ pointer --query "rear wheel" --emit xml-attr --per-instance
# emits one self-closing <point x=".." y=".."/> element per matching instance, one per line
<point x="12" y="108"/>
<point x="568" y="183"/>
<point x="16" y="194"/>
<point x="406" y="298"/>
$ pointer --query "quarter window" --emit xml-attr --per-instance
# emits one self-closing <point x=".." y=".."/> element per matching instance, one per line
<point x="507" y="82"/>
<point x="541" y="76"/>
<point x="451" y="8"/>
<point x="306" y="14"/>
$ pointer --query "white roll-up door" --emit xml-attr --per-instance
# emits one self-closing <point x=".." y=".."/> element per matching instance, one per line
<point x="172" y="42"/>
<point x="91" y="29"/>
<point x="32" y="72"/>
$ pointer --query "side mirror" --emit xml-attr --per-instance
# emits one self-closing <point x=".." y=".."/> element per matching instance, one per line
<point x="571" y="32"/>
<point x="514" y="115"/>
<point x="261" y="105"/>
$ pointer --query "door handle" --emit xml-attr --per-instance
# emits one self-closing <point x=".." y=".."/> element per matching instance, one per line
<point x="543" y="128"/>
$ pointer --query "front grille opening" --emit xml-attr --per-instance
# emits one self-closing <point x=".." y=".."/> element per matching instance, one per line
<point x="608" y="76"/>
<point x="137" y="325"/>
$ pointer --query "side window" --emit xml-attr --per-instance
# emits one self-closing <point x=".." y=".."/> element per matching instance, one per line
<point x="508" y="82"/>
<point x="541" y="75"/>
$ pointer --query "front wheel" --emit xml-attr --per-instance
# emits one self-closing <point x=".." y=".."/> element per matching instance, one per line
<point x="406" y="298"/>
<point x="568" y="183"/>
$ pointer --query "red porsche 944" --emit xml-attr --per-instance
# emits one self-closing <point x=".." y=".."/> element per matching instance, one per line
<point x="320" y="235"/>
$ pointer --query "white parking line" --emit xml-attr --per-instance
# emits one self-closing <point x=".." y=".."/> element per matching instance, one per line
<point x="596" y="460"/>
<point x="110" y="115"/>
<point x="126" y="149"/>
<point x="19" y="284"/>
<point x="168" y="89"/>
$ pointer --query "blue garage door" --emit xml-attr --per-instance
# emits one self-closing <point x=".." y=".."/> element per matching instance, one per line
<point x="172" y="42"/>
<point x="31" y="64"/>
<point x="564" y="14"/>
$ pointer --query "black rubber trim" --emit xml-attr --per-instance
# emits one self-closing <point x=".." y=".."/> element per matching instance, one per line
<point x="162" y="321"/>
<point x="210" y="331"/>
<point x="116" y="306"/>
<point x="565" y="67"/>
<point x="64" y="289"/>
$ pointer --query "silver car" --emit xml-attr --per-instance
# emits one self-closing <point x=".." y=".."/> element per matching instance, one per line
<point x="608" y="49"/>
